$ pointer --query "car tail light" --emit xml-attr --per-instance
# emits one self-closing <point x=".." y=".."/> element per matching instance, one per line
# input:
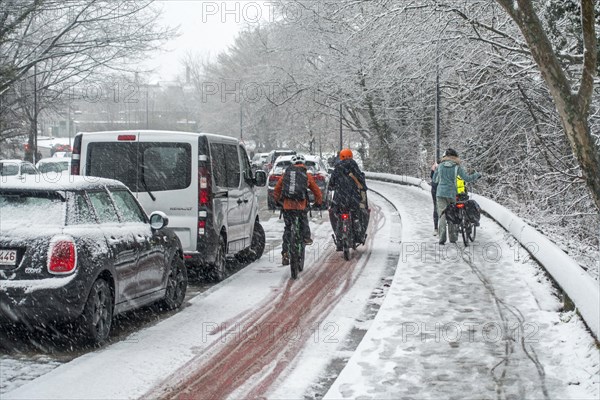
<point x="345" y="216"/>
<point x="76" y="156"/>
<point x="274" y="178"/>
<point x="319" y="177"/>
<point x="62" y="258"/>
<point x="460" y="205"/>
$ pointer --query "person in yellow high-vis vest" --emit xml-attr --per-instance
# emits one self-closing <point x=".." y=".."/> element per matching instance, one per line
<point x="445" y="177"/>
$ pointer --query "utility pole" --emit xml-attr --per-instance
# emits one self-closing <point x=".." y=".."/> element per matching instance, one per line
<point x="147" y="90"/>
<point x="35" y="116"/>
<point x="341" y="137"/>
<point x="437" y="115"/>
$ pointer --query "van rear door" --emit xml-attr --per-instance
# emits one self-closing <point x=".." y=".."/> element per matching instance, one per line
<point x="167" y="183"/>
<point x="156" y="166"/>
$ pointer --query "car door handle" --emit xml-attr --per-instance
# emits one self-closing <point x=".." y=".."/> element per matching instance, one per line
<point x="245" y="200"/>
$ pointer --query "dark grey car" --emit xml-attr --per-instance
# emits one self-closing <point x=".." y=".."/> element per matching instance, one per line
<point x="83" y="250"/>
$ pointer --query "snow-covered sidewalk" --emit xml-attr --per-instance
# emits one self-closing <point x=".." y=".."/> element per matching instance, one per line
<point x="475" y="323"/>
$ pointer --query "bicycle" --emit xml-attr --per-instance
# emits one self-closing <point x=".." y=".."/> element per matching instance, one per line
<point x="467" y="229"/>
<point x="296" y="244"/>
<point x="346" y="231"/>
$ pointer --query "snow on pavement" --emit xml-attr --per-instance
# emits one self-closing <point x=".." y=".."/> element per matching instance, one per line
<point x="483" y="323"/>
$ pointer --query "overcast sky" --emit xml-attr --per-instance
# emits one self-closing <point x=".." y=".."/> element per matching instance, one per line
<point x="206" y="27"/>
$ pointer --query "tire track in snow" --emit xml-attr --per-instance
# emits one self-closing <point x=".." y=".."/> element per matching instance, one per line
<point x="274" y="333"/>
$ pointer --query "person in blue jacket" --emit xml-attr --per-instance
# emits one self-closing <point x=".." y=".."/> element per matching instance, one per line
<point x="445" y="178"/>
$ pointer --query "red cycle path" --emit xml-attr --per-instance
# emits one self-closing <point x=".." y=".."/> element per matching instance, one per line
<point x="267" y="339"/>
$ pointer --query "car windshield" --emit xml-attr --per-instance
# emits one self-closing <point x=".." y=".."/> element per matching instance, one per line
<point x="8" y="169"/>
<point x="32" y="208"/>
<point x="53" y="167"/>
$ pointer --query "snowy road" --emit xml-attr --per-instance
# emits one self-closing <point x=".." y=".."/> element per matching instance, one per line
<point x="404" y="318"/>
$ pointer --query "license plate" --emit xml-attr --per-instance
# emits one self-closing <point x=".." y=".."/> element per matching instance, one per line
<point x="8" y="257"/>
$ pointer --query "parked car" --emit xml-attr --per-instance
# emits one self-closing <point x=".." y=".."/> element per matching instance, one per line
<point x="258" y="161"/>
<point x="17" y="167"/>
<point x="204" y="182"/>
<point x="274" y="155"/>
<point x="55" y="165"/>
<point x="314" y="165"/>
<point x="82" y="250"/>
<point x="62" y="154"/>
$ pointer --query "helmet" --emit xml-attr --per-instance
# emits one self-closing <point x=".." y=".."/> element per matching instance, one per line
<point x="346" y="154"/>
<point x="450" y="153"/>
<point x="298" y="159"/>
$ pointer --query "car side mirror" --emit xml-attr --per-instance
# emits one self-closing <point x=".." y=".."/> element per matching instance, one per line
<point x="158" y="220"/>
<point x="260" y="178"/>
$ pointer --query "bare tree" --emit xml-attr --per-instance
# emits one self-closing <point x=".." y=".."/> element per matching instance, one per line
<point x="573" y="107"/>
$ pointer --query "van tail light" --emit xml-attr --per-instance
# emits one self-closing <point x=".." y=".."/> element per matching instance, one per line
<point x="62" y="258"/>
<point x="204" y="187"/>
<point x="76" y="156"/>
<point x="201" y="227"/>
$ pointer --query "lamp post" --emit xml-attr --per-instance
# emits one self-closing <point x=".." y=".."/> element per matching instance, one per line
<point x="341" y="134"/>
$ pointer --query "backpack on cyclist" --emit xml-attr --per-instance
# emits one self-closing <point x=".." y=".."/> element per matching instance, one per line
<point x="295" y="183"/>
<point x="473" y="211"/>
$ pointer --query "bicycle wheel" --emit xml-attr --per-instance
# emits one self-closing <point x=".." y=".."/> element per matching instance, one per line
<point x="301" y="256"/>
<point x="462" y="226"/>
<point x="294" y="256"/>
<point x="473" y="232"/>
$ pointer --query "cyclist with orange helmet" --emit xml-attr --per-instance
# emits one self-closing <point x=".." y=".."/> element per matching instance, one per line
<point x="350" y="193"/>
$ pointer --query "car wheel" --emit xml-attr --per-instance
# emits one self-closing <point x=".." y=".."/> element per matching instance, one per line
<point x="176" y="284"/>
<point x="96" y="319"/>
<point x="220" y="266"/>
<point x="257" y="247"/>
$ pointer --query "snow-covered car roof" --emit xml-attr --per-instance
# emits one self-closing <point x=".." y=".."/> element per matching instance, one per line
<point x="61" y="183"/>
<point x="12" y="161"/>
<point x="53" y="160"/>
<point x="315" y="159"/>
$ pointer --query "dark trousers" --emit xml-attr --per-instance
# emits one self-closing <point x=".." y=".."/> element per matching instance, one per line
<point x="435" y="212"/>
<point x="288" y="218"/>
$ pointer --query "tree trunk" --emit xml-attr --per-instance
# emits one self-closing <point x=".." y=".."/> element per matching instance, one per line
<point x="573" y="108"/>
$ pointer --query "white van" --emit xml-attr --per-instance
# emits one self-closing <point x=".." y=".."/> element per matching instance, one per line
<point x="204" y="182"/>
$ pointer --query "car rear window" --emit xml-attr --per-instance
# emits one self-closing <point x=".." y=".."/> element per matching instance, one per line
<point x="53" y="167"/>
<point x="32" y="208"/>
<point x="8" y="169"/>
<point x="153" y="166"/>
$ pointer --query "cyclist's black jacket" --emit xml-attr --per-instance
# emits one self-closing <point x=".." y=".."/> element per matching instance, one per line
<point x="347" y="192"/>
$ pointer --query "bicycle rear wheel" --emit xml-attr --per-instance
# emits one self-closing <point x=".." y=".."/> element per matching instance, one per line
<point x="463" y="227"/>
<point x="473" y="232"/>
<point x="294" y="251"/>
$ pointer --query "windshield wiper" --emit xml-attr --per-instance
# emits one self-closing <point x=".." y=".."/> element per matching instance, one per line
<point x="146" y="186"/>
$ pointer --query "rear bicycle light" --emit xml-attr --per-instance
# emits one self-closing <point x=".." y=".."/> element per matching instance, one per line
<point x="345" y="216"/>
<point x="62" y="256"/>
<point x="460" y="205"/>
